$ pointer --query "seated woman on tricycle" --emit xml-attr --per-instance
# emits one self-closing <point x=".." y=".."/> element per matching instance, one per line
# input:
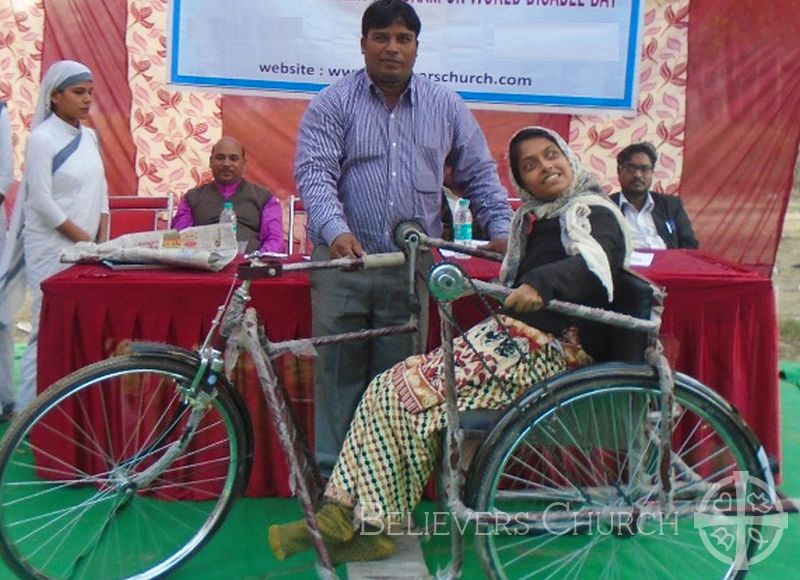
<point x="567" y="242"/>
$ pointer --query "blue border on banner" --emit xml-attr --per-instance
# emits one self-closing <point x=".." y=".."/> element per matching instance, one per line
<point x="624" y="103"/>
<point x="175" y="43"/>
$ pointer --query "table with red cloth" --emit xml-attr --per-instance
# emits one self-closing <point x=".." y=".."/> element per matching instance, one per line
<point x="720" y="327"/>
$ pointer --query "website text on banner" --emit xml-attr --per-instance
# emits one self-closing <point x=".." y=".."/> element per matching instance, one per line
<point x="571" y="54"/>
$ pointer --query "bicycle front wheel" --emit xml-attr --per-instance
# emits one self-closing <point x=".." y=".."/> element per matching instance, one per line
<point x="578" y="473"/>
<point x="115" y="472"/>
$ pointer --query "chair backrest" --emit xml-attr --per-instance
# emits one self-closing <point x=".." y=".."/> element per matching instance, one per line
<point x="637" y="296"/>
<point x="297" y="241"/>
<point x="131" y="214"/>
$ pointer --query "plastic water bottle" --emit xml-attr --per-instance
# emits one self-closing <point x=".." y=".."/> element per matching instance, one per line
<point x="462" y="225"/>
<point x="228" y="216"/>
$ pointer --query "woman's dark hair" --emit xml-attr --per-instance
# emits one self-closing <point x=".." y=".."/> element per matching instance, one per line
<point x="382" y="13"/>
<point x="644" y="147"/>
<point x="513" y="149"/>
<point x="50" y="104"/>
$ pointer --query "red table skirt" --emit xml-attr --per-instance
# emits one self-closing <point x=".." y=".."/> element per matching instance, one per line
<point x="720" y="326"/>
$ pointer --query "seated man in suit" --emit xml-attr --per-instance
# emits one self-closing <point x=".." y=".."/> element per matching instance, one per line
<point x="259" y="217"/>
<point x="657" y="221"/>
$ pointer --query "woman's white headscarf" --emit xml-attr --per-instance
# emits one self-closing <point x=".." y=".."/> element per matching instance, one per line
<point x="61" y="75"/>
<point x="572" y="209"/>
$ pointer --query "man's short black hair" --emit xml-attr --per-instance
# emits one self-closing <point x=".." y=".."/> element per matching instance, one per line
<point x="644" y="147"/>
<point x="382" y="13"/>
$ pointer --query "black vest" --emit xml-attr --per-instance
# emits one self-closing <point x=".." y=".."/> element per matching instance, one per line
<point x="249" y="200"/>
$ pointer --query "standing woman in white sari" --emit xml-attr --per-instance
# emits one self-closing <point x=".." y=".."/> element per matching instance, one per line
<point x="65" y="190"/>
<point x="6" y="336"/>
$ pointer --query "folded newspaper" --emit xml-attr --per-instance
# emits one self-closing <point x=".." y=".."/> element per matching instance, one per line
<point x="204" y="247"/>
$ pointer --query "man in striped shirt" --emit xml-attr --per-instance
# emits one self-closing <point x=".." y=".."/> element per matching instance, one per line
<point x="371" y="153"/>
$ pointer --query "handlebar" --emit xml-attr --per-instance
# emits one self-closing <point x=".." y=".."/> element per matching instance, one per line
<point x="411" y="232"/>
<point x="448" y="282"/>
<point x="578" y="310"/>
<point x="256" y="268"/>
<point x="368" y="262"/>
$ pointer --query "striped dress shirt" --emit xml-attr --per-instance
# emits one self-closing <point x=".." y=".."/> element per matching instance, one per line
<point x="362" y="167"/>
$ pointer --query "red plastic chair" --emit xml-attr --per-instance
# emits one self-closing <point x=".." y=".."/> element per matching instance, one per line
<point x="131" y="214"/>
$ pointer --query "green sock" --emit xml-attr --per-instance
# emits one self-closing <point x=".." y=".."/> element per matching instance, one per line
<point x="335" y="524"/>
<point x="288" y="539"/>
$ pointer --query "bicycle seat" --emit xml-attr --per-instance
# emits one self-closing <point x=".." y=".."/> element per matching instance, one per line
<point x="477" y="422"/>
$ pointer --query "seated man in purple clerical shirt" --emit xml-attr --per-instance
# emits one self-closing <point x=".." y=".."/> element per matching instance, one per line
<point x="259" y="217"/>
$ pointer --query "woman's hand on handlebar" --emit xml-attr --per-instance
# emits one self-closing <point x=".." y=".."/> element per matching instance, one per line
<point x="347" y="246"/>
<point x="525" y="298"/>
<point x="499" y="245"/>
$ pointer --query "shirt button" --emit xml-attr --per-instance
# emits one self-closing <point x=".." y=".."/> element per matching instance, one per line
<point x="394" y="173"/>
<point x="394" y="144"/>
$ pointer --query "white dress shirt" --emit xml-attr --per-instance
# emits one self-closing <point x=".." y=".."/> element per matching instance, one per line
<point x="643" y="228"/>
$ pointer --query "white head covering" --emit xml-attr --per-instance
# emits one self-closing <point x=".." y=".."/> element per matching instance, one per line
<point x="61" y="75"/>
<point x="572" y="209"/>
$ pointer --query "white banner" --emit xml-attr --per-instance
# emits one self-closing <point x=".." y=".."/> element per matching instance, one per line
<point x="514" y="53"/>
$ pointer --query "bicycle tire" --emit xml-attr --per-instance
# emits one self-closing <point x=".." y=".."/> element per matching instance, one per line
<point x="570" y="446"/>
<point x="95" y="480"/>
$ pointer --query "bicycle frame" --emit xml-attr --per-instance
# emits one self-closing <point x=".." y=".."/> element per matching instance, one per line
<point x="224" y="335"/>
<point x="446" y="282"/>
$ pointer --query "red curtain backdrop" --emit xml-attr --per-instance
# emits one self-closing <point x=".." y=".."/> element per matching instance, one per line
<point x="93" y="33"/>
<point x="742" y="125"/>
<point x="267" y="128"/>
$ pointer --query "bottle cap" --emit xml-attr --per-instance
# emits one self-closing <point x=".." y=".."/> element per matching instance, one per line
<point x="463" y="201"/>
<point x="228" y="205"/>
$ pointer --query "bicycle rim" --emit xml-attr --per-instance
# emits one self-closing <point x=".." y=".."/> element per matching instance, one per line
<point x="583" y="464"/>
<point x="114" y="473"/>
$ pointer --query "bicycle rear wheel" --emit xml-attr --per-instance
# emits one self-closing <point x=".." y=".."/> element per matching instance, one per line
<point x="582" y="461"/>
<point x="115" y="473"/>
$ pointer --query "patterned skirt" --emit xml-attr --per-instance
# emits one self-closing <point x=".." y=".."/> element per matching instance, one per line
<point x="390" y="450"/>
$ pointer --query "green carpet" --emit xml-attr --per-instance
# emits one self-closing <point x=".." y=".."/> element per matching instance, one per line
<point x="783" y="562"/>
<point x="239" y="550"/>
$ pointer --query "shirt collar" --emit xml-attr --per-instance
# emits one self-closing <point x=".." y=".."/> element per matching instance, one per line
<point x="70" y="128"/>
<point x="648" y="206"/>
<point x="410" y="92"/>
<point x="228" y="190"/>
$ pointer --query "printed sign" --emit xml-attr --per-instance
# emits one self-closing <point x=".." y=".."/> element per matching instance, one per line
<point x="502" y="53"/>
